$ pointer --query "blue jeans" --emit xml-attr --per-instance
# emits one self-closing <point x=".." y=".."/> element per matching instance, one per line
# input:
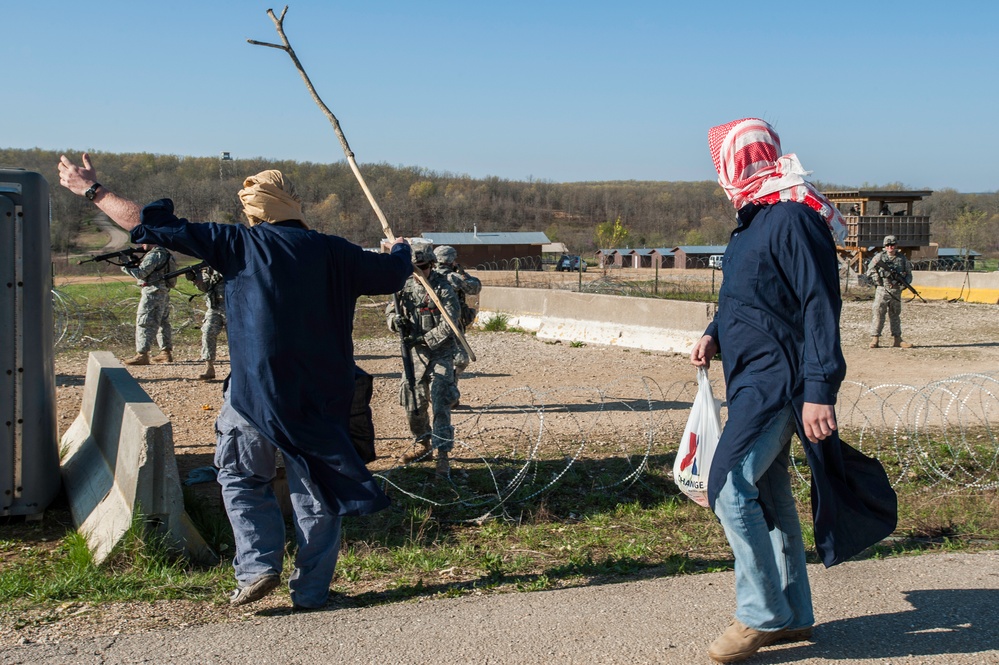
<point x="771" y="581"/>
<point x="247" y="466"/>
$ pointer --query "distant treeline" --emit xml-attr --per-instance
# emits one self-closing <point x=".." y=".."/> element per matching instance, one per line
<point x="416" y="200"/>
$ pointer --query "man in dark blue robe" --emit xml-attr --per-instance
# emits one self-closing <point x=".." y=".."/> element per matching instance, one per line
<point x="290" y="296"/>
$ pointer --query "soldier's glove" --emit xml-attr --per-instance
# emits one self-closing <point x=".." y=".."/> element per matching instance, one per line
<point x="191" y="276"/>
<point x="455" y="280"/>
<point x="414" y="340"/>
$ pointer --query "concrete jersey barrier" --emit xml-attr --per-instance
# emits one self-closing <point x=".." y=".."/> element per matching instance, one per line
<point x="980" y="287"/>
<point x="640" y="323"/>
<point x="118" y="462"/>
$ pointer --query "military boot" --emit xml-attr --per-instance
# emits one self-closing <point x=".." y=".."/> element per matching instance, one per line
<point x="875" y="341"/>
<point x="165" y="356"/>
<point x="443" y="464"/>
<point x="141" y="358"/>
<point x="421" y="453"/>
<point x="898" y="343"/>
<point x="209" y="372"/>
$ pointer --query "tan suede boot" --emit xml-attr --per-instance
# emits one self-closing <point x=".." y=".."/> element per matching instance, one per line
<point x="165" y="356"/>
<point x="138" y="359"/>
<point x="209" y="372"/>
<point x="875" y="341"/>
<point x="898" y="343"/>
<point x="738" y="642"/>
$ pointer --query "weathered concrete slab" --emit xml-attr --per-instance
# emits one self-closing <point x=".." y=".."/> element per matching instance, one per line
<point x="982" y="287"/>
<point x="118" y="461"/>
<point x="640" y="323"/>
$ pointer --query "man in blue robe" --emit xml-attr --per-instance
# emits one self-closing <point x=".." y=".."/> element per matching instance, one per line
<point x="777" y="329"/>
<point x="290" y="295"/>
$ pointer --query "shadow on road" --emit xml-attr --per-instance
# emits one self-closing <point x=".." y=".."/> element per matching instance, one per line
<point x="942" y="621"/>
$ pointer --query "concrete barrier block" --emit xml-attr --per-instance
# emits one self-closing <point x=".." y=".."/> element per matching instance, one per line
<point x="118" y="461"/>
<point x="979" y="287"/>
<point x="649" y="324"/>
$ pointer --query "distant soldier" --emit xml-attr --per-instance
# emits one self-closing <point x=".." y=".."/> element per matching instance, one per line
<point x="152" y="319"/>
<point x="431" y="344"/>
<point x="890" y="271"/>
<point x="212" y="285"/>
<point x="464" y="285"/>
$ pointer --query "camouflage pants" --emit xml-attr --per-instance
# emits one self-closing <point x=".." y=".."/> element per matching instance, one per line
<point x="210" y="329"/>
<point x="890" y="303"/>
<point x="436" y="390"/>
<point x="461" y="360"/>
<point x="152" y="320"/>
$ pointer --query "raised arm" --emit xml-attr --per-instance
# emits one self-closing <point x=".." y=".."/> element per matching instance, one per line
<point x="79" y="179"/>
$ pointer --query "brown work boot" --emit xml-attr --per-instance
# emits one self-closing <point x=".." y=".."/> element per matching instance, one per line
<point x="165" y="356"/>
<point x="443" y="464"/>
<point x="898" y="343"/>
<point x="422" y="453"/>
<point x="875" y="341"/>
<point x="739" y="642"/>
<point x="209" y="372"/>
<point x="139" y="359"/>
<point x="793" y="635"/>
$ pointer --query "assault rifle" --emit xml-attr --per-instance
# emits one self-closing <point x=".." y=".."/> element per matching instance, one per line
<point x="408" y="371"/>
<point x="124" y="257"/>
<point x="183" y="271"/>
<point x="890" y="272"/>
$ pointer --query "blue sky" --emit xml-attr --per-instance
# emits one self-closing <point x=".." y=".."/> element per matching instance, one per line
<point x="555" y="90"/>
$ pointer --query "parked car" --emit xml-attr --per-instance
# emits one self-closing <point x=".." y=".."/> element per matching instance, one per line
<point x="715" y="261"/>
<point x="569" y="263"/>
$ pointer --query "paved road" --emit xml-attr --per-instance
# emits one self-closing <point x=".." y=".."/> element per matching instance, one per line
<point x="930" y="609"/>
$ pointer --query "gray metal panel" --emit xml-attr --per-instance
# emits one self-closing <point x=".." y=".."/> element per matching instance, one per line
<point x="7" y="212"/>
<point x="29" y="452"/>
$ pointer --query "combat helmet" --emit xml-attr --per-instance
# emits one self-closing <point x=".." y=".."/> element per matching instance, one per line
<point x="446" y="254"/>
<point x="423" y="252"/>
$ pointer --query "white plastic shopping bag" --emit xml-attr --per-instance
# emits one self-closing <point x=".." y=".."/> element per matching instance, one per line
<point x="697" y="448"/>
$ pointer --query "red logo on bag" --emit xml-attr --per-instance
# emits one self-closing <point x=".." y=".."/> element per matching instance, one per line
<point x="689" y="459"/>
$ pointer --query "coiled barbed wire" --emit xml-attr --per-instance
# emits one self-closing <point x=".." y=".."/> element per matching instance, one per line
<point x="525" y="442"/>
<point x="82" y="323"/>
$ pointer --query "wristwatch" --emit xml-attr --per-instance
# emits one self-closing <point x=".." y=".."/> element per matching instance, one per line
<point x="92" y="192"/>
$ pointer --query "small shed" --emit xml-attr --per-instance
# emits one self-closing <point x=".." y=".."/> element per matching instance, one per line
<point x="614" y="258"/>
<point x="663" y="256"/>
<point x="642" y="258"/>
<point x="695" y="256"/>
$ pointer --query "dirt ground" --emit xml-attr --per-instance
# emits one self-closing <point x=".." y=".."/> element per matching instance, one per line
<point x="513" y="369"/>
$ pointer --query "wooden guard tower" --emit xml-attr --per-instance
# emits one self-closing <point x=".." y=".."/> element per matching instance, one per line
<point x="872" y="214"/>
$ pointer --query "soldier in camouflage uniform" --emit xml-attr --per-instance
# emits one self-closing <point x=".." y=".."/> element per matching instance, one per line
<point x="464" y="285"/>
<point x="431" y="346"/>
<point x="152" y="320"/>
<point x="212" y="285"/>
<point x="886" y="270"/>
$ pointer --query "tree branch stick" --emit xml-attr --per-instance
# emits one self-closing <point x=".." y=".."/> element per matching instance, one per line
<point x="286" y="47"/>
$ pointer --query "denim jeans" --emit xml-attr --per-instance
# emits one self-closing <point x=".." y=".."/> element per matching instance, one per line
<point x="247" y="466"/>
<point x="771" y="581"/>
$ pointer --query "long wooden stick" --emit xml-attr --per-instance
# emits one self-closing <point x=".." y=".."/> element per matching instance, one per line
<point x="286" y="47"/>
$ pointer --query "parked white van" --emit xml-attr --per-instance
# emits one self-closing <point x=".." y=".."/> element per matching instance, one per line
<point x="715" y="261"/>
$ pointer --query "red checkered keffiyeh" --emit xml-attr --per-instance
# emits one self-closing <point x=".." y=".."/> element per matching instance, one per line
<point x="751" y="169"/>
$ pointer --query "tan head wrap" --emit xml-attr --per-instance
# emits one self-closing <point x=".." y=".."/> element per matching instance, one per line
<point x="270" y="197"/>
